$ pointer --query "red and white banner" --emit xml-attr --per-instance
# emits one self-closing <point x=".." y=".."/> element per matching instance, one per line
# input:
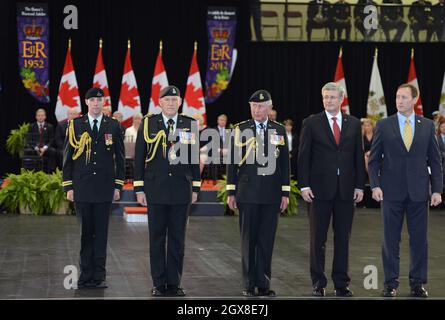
<point x="100" y="78"/>
<point x="129" y="100"/>
<point x="159" y="82"/>
<point x="68" y="96"/>
<point x="194" y="97"/>
<point x="412" y="79"/>
<point x="340" y="79"/>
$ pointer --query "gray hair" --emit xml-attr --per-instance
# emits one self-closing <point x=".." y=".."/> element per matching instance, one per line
<point x="138" y="115"/>
<point x="116" y="113"/>
<point x="334" y="87"/>
<point x="41" y="110"/>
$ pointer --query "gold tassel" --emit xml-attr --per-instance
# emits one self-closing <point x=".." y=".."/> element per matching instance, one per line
<point x="251" y="143"/>
<point x="154" y="141"/>
<point x="79" y="145"/>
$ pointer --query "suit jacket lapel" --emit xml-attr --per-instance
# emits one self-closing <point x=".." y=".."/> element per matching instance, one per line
<point x="103" y="126"/>
<point x="396" y="128"/>
<point x="418" y="125"/>
<point x="344" y="127"/>
<point x="325" y="124"/>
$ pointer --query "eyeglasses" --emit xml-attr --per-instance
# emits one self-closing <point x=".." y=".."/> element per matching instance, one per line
<point x="330" y="97"/>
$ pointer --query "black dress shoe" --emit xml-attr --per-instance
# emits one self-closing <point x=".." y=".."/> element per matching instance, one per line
<point x="100" y="284"/>
<point x="318" y="292"/>
<point x="158" y="291"/>
<point x="175" y="292"/>
<point x="84" y="284"/>
<point x="343" y="292"/>
<point x="389" y="292"/>
<point x="419" y="292"/>
<point x="248" y="293"/>
<point x="266" y="293"/>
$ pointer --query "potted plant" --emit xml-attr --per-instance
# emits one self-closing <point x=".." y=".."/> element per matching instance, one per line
<point x="17" y="140"/>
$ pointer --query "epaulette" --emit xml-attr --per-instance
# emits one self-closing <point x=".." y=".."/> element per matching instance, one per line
<point x="276" y="122"/>
<point x="240" y="123"/>
<point x="186" y="116"/>
<point x="149" y="115"/>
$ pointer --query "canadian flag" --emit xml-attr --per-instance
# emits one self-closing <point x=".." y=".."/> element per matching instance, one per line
<point x="194" y="96"/>
<point x="129" y="100"/>
<point x="340" y="79"/>
<point x="100" y="78"/>
<point x="412" y="79"/>
<point x="159" y="82"/>
<point x="68" y="96"/>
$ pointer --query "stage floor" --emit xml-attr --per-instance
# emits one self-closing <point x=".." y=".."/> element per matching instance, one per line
<point x="35" y="250"/>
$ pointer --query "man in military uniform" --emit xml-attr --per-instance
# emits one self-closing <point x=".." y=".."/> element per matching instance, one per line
<point x="341" y="11"/>
<point x="258" y="183"/>
<point x="360" y="16"/>
<point x="168" y="180"/>
<point x="439" y="19"/>
<point x="93" y="173"/>
<point x="319" y="16"/>
<point x="392" y="18"/>
<point x="421" y="18"/>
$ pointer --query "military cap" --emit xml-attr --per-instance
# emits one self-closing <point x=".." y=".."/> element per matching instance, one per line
<point x="94" y="93"/>
<point x="170" y="91"/>
<point x="260" y="96"/>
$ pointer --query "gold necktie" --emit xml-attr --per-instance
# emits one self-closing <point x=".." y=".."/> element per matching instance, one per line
<point x="407" y="135"/>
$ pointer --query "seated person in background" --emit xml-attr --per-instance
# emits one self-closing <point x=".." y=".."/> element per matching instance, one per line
<point x="367" y="135"/>
<point x="392" y="18"/>
<point x="421" y="18"/>
<point x="342" y="18"/>
<point x="224" y="137"/>
<point x="40" y="140"/>
<point x="119" y="117"/>
<point x="61" y="134"/>
<point x="293" y="146"/>
<point x="360" y="15"/>
<point x="132" y="132"/>
<point x="439" y="19"/>
<point x="203" y="148"/>
<point x="273" y="115"/>
<point x="318" y="17"/>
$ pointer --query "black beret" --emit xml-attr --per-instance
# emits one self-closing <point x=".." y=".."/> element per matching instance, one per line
<point x="169" y="91"/>
<point x="260" y="96"/>
<point x="94" y="93"/>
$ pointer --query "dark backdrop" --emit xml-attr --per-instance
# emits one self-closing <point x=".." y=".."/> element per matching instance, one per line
<point x="293" y="72"/>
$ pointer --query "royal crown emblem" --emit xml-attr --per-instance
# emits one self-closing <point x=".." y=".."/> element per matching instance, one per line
<point x="220" y="34"/>
<point x="33" y="32"/>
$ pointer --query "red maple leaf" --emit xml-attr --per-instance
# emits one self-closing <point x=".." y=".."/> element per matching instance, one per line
<point x="128" y="97"/>
<point x="155" y="90"/>
<point x="193" y="96"/>
<point x="67" y="95"/>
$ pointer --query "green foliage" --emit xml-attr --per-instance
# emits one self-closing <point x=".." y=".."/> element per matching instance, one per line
<point x="293" y="196"/>
<point x="40" y="192"/>
<point x="17" y="139"/>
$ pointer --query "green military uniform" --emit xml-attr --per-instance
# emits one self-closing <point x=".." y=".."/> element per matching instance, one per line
<point x="168" y="187"/>
<point x="93" y="166"/>
<point x="258" y="194"/>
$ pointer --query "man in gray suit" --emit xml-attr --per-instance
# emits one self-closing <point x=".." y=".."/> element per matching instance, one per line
<point x="404" y="146"/>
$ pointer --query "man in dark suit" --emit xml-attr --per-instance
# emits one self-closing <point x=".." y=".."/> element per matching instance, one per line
<point x="167" y="178"/>
<point x="61" y="130"/>
<point x="360" y="16"/>
<point x="341" y="12"/>
<point x="93" y="173"/>
<point x="224" y="138"/>
<point x="40" y="140"/>
<point x="258" y="183"/>
<point x="438" y="12"/>
<point x="331" y="176"/>
<point x="401" y="182"/>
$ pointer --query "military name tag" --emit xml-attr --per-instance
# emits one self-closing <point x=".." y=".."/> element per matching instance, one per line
<point x="108" y="139"/>
<point x="276" y="140"/>
<point x="187" y="137"/>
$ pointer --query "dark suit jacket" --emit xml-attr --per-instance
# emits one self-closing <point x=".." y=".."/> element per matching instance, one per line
<point x="95" y="181"/>
<point x="401" y="172"/>
<point x="162" y="182"/>
<point x="61" y="134"/>
<point x="34" y="135"/>
<point x="319" y="158"/>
